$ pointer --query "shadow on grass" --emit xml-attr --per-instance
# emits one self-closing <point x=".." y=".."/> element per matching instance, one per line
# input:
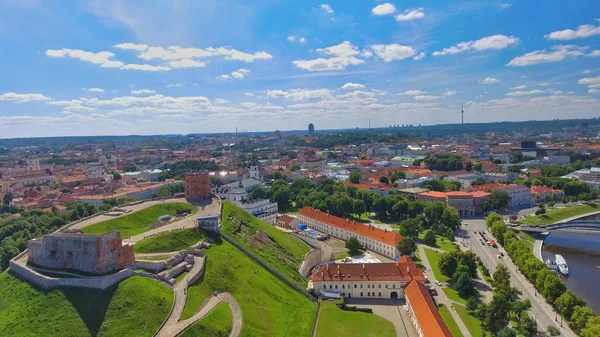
<point x="481" y="286"/>
<point x="91" y="304"/>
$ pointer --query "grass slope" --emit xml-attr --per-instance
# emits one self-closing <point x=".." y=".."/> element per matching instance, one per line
<point x="216" y="324"/>
<point x="442" y="243"/>
<point x="170" y="241"/>
<point x="269" y="306"/>
<point x="559" y="214"/>
<point x="334" y="321"/>
<point x="434" y="260"/>
<point x="136" y="307"/>
<point x="450" y="322"/>
<point x="285" y="255"/>
<point x="472" y="323"/>
<point x="453" y="295"/>
<point x="138" y="222"/>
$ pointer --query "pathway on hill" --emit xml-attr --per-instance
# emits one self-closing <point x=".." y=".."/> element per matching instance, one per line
<point x="173" y="326"/>
<point x="442" y="298"/>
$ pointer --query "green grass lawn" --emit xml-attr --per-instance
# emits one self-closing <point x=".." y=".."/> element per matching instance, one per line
<point x="170" y="241"/>
<point x="453" y="295"/>
<point x="450" y="322"/>
<point x="558" y="214"/>
<point x="341" y="256"/>
<point x="488" y="279"/>
<point x="138" y="222"/>
<point x="269" y="306"/>
<point x="155" y="258"/>
<point x="434" y="258"/>
<point x="285" y="253"/>
<point x="136" y="307"/>
<point x="526" y="236"/>
<point x="334" y="321"/>
<point x="472" y="323"/>
<point x="442" y="243"/>
<point x="181" y="276"/>
<point x="216" y="324"/>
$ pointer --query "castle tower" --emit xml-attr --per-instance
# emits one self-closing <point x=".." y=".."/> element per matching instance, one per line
<point x="254" y="172"/>
<point x="33" y="164"/>
<point x="197" y="185"/>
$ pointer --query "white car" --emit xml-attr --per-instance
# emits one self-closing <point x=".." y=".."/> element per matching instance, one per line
<point x="438" y="283"/>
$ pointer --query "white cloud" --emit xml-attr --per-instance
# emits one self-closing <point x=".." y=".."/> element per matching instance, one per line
<point x="145" y="67"/>
<point x="300" y="94"/>
<point x="449" y="93"/>
<point x="524" y="93"/>
<point x="342" y="56"/>
<point x="187" y="63"/>
<point x="426" y="98"/>
<point x="489" y="80"/>
<point x="581" y="32"/>
<point x="240" y="73"/>
<point x="557" y="54"/>
<point x="589" y="80"/>
<point x="587" y="71"/>
<point x="493" y="42"/>
<point x="326" y="8"/>
<point x="412" y="93"/>
<point x="131" y="46"/>
<point x="220" y="101"/>
<point x="420" y="56"/>
<point x="594" y="53"/>
<point x="103" y="58"/>
<point x="593" y="91"/>
<point x="223" y="77"/>
<point x="23" y="98"/>
<point x="93" y="89"/>
<point x="179" y="53"/>
<point x="594" y="86"/>
<point x="410" y="14"/>
<point x="505" y="5"/>
<point x="249" y="94"/>
<point x="392" y="52"/>
<point x="518" y="87"/>
<point x="293" y="38"/>
<point x="350" y="85"/>
<point x="384" y="9"/>
<point x="143" y="92"/>
<point x="302" y="40"/>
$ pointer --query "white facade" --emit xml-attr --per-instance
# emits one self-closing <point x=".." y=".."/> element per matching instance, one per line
<point x="263" y="209"/>
<point x="344" y="234"/>
<point x="363" y="289"/>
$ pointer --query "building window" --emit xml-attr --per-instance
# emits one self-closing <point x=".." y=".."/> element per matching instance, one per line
<point x="343" y="286"/>
<point x="330" y="286"/>
<point x="336" y="286"/>
<point x="368" y="286"/>
<point x="361" y="286"/>
<point x="386" y="286"/>
<point x="355" y="286"/>
<point x="324" y="287"/>
<point x="379" y="286"/>
<point x="379" y="294"/>
<point x="393" y="286"/>
<point x="361" y="294"/>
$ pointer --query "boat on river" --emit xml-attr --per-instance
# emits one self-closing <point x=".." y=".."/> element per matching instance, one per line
<point x="562" y="265"/>
<point x="551" y="264"/>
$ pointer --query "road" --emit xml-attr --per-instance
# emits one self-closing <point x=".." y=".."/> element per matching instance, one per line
<point x="543" y="312"/>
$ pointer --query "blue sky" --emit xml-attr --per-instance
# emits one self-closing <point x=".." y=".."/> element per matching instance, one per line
<point x="96" y="67"/>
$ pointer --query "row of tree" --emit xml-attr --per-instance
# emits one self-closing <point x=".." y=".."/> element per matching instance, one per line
<point x="572" y="307"/>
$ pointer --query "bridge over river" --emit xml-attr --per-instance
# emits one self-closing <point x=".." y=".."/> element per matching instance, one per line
<point x="587" y="223"/>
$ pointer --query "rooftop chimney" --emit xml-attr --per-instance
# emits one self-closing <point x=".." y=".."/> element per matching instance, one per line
<point x="407" y="270"/>
<point x="363" y="266"/>
<point x="327" y="266"/>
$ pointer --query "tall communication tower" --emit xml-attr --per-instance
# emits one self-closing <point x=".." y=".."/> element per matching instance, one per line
<point x="462" y="112"/>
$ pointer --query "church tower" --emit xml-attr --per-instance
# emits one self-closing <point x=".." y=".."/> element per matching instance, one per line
<point x="254" y="172"/>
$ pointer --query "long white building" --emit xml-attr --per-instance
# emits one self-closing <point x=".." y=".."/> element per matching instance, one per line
<point x="378" y="240"/>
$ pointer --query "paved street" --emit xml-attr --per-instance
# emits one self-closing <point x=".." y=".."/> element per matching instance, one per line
<point x="391" y="310"/>
<point x="543" y="312"/>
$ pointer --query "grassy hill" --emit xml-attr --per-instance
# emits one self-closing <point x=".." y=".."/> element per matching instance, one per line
<point x="138" y="222"/>
<point x="284" y="252"/>
<point x="269" y="306"/>
<point x="555" y="215"/>
<point x="216" y="324"/>
<point x="136" y="307"/>
<point x="334" y="321"/>
<point x="170" y="241"/>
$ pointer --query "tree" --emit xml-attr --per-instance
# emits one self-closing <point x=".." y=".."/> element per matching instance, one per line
<point x="257" y="194"/>
<point x="410" y="228"/>
<point x="448" y="263"/>
<point x="498" y="229"/>
<point x="429" y="238"/>
<point x="553" y="288"/>
<point x="592" y="328"/>
<point x="527" y="325"/>
<point x="116" y="176"/>
<point x="384" y="180"/>
<point x="554" y="332"/>
<point x="8" y="197"/>
<point x="407" y="246"/>
<point x="469" y="166"/>
<point x="462" y="282"/>
<point x="507" y="332"/>
<point x="567" y="302"/>
<point x="501" y="278"/>
<point x="353" y="246"/>
<point x="355" y="177"/>
<point x="580" y="317"/>
<point x="493" y="217"/>
<point x="358" y="207"/>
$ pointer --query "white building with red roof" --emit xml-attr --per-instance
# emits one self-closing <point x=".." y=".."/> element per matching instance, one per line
<point x="373" y="238"/>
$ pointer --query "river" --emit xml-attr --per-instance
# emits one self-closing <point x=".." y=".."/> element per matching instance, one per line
<point x="584" y="271"/>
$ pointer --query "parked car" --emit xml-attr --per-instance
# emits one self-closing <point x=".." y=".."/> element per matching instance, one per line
<point x="438" y="283"/>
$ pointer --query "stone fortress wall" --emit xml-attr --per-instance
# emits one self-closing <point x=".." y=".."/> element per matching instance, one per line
<point x="95" y="254"/>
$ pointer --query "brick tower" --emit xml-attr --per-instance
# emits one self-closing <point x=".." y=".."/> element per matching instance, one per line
<point x="197" y="185"/>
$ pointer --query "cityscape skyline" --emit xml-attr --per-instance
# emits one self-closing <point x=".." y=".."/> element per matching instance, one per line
<point x="103" y="68"/>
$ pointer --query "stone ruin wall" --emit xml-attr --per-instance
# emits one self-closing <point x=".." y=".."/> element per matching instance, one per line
<point x="96" y="254"/>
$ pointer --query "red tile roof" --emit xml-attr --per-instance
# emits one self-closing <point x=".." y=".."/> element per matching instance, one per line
<point x="285" y="218"/>
<point x="375" y="233"/>
<point x="426" y="311"/>
<point x="433" y="194"/>
<point x="402" y="270"/>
